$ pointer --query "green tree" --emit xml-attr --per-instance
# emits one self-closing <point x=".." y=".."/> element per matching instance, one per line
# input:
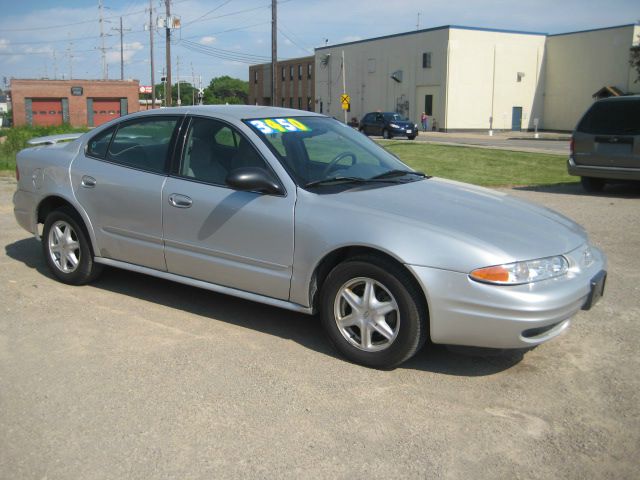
<point x="226" y="89"/>
<point x="634" y="58"/>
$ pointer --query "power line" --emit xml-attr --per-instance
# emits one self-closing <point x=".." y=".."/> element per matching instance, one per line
<point x="210" y="11"/>
<point x="221" y="52"/>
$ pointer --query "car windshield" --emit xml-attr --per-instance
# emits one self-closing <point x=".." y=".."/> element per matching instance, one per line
<point x="395" y="117"/>
<point x="321" y="149"/>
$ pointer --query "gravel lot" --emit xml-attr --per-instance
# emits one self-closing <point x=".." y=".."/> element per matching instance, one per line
<point x="134" y="377"/>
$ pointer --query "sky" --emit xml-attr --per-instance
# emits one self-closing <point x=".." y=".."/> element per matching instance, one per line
<point x="56" y="39"/>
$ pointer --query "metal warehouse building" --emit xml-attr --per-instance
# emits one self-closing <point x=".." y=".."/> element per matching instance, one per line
<point x="77" y="102"/>
<point x="469" y="78"/>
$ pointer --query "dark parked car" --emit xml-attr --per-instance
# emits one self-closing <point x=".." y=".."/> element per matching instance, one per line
<point x="389" y="125"/>
<point x="606" y="143"/>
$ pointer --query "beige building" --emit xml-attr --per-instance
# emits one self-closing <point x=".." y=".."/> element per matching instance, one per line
<point x="477" y="79"/>
<point x="578" y="64"/>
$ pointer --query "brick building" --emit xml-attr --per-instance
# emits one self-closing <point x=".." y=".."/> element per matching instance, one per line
<point x="77" y="102"/>
<point x="295" y="84"/>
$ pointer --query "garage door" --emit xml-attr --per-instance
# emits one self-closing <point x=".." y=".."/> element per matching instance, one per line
<point x="105" y="109"/>
<point x="46" y="112"/>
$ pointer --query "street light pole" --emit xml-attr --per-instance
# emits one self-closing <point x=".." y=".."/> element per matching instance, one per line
<point x="167" y="93"/>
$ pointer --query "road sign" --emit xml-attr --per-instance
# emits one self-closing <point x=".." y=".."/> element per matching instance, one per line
<point x="145" y="89"/>
<point x="344" y="98"/>
<point x="346" y="106"/>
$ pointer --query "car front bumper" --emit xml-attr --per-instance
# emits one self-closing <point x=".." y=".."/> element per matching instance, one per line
<point x="612" y="173"/>
<point x="465" y="312"/>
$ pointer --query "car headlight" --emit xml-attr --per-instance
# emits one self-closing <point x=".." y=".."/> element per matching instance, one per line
<point x="393" y="125"/>
<point x="522" y="272"/>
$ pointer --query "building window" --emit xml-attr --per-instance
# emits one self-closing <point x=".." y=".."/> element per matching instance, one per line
<point x="299" y="103"/>
<point x="520" y="76"/>
<point x="309" y="70"/>
<point x="282" y="103"/>
<point x="299" y="72"/>
<point x="284" y="74"/>
<point x="290" y="102"/>
<point x="309" y="104"/>
<point x="255" y="76"/>
<point x="291" y="72"/>
<point x="426" y="60"/>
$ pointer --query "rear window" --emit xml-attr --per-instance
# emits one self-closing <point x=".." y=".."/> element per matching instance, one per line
<point x="612" y="118"/>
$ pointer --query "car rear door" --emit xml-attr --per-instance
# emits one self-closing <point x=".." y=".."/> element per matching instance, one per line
<point x="237" y="239"/>
<point x="118" y="180"/>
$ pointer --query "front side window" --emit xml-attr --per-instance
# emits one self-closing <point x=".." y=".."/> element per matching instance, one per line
<point x="98" y="145"/>
<point x="322" y="149"/>
<point x="143" y="143"/>
<point x="213" y="149"/>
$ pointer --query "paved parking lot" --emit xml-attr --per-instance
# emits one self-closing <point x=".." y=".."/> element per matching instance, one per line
<point x="134" y="377"/>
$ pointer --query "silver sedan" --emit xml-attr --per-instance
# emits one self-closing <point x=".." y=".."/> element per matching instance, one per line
<point x="296" y="210"/>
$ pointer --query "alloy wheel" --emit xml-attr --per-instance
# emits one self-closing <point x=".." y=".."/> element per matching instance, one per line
<point x="367" y="314"/>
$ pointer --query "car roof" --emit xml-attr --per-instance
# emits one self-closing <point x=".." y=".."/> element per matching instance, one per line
<point x="237" y="112"/>
<point x="624" y="98"/>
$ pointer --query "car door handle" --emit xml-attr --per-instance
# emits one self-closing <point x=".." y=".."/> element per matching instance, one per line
<point x="180" y="201"/>
<point x="88" y="182"/>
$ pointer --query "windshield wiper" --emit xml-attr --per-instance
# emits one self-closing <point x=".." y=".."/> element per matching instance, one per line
<point x="332" y="180"/>
<point x="399" y="173"/>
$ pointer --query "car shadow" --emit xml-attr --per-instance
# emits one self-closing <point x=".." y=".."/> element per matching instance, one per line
<point x="614" y="190"/>
<point x="303" y="329"/>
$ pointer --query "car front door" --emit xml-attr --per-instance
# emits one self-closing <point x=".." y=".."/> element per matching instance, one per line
<point x="118" y="180"/>
<point x="379" y="124"/>
<point x="237" y="239"/>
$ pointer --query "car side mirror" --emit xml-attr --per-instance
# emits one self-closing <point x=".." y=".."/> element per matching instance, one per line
<point x="254" y="179"/>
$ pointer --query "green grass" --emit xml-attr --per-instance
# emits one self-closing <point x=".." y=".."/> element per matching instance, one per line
<point x="480" y="166"/>
<point x="16" y="139"/>
<point x="487" y="167"/>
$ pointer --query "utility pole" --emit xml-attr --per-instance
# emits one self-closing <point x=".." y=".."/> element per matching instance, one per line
<point x="121" y="30"/>
<point x="179" y="102"/>
<point x="418" y="23"/>
<point x="70" y="55"/>
<point x="153" y="75"/>
<point x="344" y="85"/>
<point x="274" y="51"/>
<point x="55" y="66"/>
<point x="167" y="91"/>
<point x="102" y="47"/>
<point x="193" y="86"/>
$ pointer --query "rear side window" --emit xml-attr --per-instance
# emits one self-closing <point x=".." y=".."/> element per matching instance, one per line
<point x="143" y="144"/>
<point x="612" y="118"/>
<point x="98" y="145"/>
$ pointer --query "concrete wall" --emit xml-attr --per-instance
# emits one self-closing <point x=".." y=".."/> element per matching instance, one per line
<point x="579" y="64"/>
<point x="483" y="78"/>
<point x="370" y="65"/>
<point x="58" y="89"/>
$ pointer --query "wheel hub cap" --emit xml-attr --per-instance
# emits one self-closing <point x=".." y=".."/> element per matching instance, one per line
<point x="64" y="248"/>
<point x="366" y="314"/>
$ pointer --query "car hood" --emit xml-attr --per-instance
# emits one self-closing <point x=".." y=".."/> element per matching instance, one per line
<point x="446" y="224"/>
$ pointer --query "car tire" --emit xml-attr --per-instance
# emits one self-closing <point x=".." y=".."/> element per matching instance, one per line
<point x="411" y="137"/>
<point x="386" y="134"/>
<point x="389" y="328"/>
<point x="362" y="131"/>
<point x="592" y="184"/>
<point x="67" y="249"/>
